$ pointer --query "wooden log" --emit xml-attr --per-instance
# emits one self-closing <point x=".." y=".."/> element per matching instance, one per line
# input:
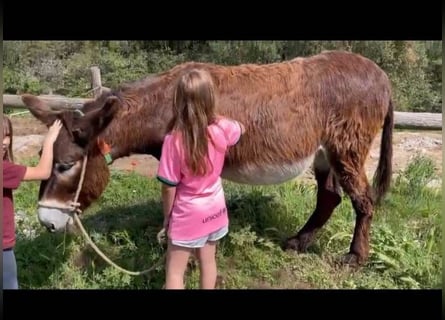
<point x="54" y="102"/>
<point x="418" y="120"/>
<point x="402" y="120"/>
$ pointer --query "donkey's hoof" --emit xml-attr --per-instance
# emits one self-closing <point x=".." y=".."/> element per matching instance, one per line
<point x="352" y="260"/>
<point x="298" y="244"/>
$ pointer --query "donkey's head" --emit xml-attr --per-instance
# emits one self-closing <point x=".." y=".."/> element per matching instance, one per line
<point x="77" y="142"/>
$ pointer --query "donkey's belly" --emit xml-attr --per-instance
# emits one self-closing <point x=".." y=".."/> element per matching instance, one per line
<point x="267" y="174"/>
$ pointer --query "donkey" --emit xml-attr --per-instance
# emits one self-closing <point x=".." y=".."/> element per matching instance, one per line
<point x="323" y="110"/>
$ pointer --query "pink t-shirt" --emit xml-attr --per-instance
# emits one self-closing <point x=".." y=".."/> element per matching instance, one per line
<point x="199" y="207"/>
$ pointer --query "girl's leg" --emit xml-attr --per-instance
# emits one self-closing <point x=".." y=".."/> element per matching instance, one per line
<point x="177" y="258"/>
<point x="9" y="270"/>
<point x="207" y="265"/>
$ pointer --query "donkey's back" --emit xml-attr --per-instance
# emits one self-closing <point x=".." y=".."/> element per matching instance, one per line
<point x="326" y="110"/>
<point x="293" y="109"/>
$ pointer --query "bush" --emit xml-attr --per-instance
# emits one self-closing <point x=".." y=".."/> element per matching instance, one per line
<point x="414" y="67"/>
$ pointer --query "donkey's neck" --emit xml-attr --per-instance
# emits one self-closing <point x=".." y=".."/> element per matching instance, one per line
<point x="137" y="129"/>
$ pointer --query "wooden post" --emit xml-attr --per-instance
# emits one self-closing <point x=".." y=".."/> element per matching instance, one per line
<point x="96" y="81"/>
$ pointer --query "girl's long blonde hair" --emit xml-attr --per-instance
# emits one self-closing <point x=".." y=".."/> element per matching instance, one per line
<point x="7" y="132"/>
<point x="193" y="111"/>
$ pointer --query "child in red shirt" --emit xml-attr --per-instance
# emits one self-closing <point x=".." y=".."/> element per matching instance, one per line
<point x="13" y="175"/>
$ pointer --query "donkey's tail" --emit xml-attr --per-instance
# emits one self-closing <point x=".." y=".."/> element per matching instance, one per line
<point x="383" y="174"/>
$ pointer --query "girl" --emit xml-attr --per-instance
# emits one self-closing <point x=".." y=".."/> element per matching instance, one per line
<point x="13" y="175"/>
<point x="193" y="152"/>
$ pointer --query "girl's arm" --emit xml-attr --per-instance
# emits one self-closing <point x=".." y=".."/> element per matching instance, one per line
<point x="43" y="170"/>
<point x="243" y="128"/>
<point x="168" y="197"/>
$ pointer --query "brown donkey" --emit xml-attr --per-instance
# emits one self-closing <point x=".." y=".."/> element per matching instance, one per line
<point x="323" y="110"/>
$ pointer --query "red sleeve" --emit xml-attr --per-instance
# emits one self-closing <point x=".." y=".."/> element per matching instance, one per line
<point x="12" y="174"/>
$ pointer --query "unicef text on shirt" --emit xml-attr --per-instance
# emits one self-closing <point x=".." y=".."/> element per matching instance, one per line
<point x="214" y="216"/>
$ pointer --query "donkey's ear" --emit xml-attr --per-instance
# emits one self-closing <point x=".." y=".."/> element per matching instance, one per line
<point x="101" y="118"/>
<point x="81" y="136"/>
<point x="93" y="123"/>
<point x="112" y="104"/>
<point x="39" y="109"/>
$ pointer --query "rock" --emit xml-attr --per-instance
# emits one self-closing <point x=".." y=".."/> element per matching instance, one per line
<point x="27" y="146"/>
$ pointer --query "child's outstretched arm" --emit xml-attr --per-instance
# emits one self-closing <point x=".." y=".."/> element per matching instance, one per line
<point x="43" y="170"/>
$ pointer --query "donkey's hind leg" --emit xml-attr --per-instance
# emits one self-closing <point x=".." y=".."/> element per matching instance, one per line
<point x="328" y="198"/>
<point x="348" y="164"/>
<point x="356" y="185"/>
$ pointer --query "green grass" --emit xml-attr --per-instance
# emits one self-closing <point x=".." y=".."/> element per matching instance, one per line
<point x="406" y="238"/>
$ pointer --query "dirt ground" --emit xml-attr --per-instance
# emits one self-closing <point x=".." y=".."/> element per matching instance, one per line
<point x="28" y="136"/>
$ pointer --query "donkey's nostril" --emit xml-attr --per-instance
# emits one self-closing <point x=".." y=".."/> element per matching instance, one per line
<point x="51" y="228"/>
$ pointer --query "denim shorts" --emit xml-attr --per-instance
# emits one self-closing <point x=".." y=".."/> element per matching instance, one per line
<point x="201" y="242"/>
<point x="9" y="270"/>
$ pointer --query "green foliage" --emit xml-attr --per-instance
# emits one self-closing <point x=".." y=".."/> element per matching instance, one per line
<point x="407" y="65"/>
<point x="238" y="52"/>
<point x="415" y="67"/>
<point x="17" y="81"/>
<point x="403" y="254"/>
<point x="420" y="172"/>
<point x="405" y="238"/>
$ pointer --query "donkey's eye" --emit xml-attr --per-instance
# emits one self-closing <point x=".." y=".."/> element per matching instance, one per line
<point x="64" y="166"/>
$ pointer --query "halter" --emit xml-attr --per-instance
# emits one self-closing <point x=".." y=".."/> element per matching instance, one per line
<point x="73" y="209"/>
<point x="73" y="206"/>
